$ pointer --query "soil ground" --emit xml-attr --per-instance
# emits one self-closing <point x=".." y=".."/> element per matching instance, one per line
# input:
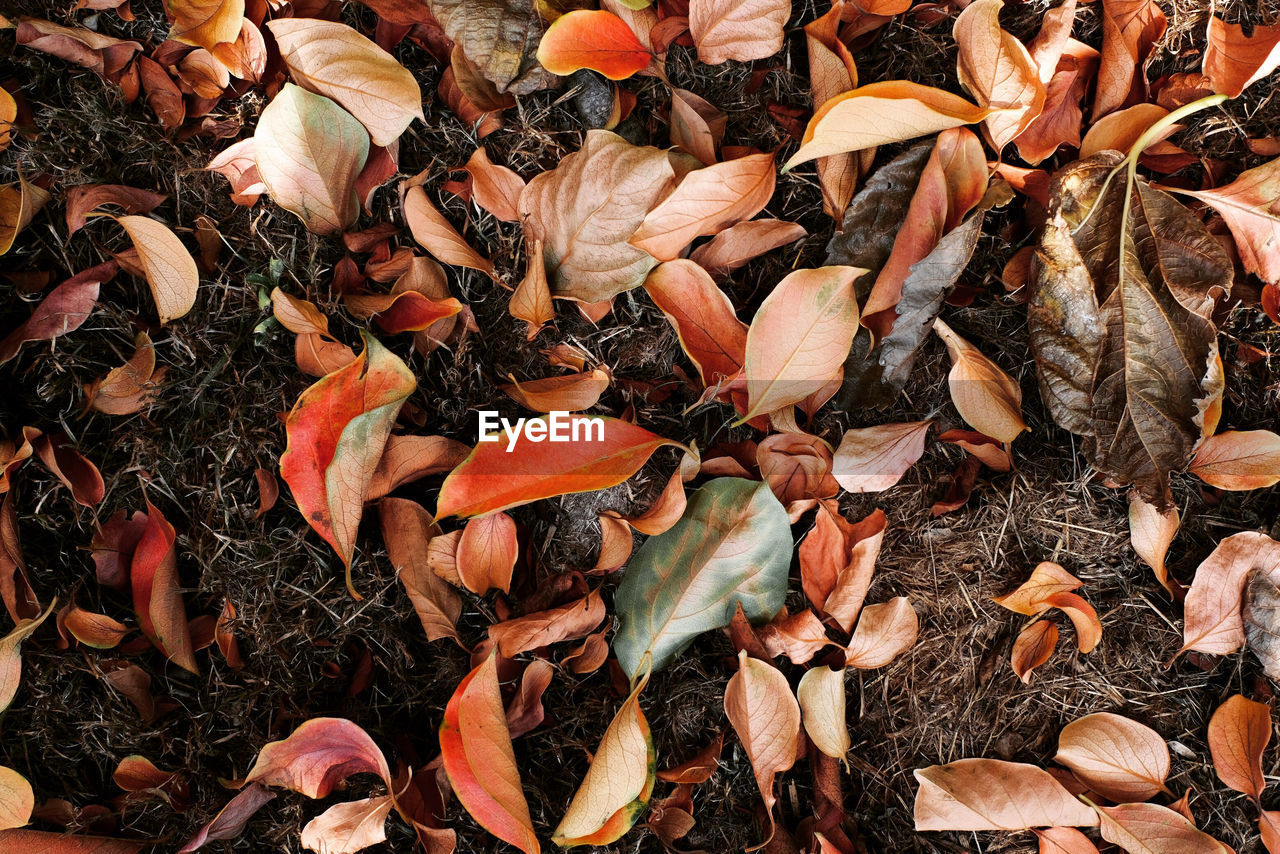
<point x="305" y="638"/>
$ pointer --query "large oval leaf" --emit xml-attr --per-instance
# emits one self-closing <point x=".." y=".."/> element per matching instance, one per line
<point x="732" y="545"/>
<point x="309" y="151"/>
<point x="170" y="270"/>
<point x="1118" y="758"/>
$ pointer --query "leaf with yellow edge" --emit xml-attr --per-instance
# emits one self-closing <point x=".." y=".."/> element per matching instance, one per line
<point x="18" y="206"/>
<point x="618" y="783"/>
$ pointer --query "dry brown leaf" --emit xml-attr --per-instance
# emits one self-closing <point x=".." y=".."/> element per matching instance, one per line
<point x="1250" y="205"/>
<point x="565" y="622"/>
<point x="1114" y="756"/>
<point x="998" y="71"/>
<point x="1064" y="840"/>
<point x="1238" y="734"/>
<point x="989" y="794"/>
<point x="837" y="561"/>
<point x="1234" y="61"/>
<point x="18" y="206"/>
<point x="407" y="529"/>
<point x="531" y="300"/>
<point x="822" y="705"/>
<point x="1212" y="607"/>
<point x="568" y="393"/>
<point x="986" y="397"/>
<point x="205" y="23"/>
<point x="438" y="236"/>
<point x="697" y="126"/>
<point x="766" y="717"/>
<point x="884" y="631"/>
<point x="737" y="29"/>
<point x="1032" y="648"/>
<point x="738" y="244"/>
<point x="348" y="827"/>
<point x="170" y="270"/>
<point x="1153" y="829"/>
<point x="1151" y="531"/>
<point x="495" y="188"/>
<point x="1238" y="460"/>
<point x="130" y="387"/>
<point x="1032" y="597"/>
<point x="1130" y="29"/>
<point x="704" y="319"/>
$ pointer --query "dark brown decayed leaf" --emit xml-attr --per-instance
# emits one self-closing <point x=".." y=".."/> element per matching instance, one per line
<point x="1122" y="290"/>
<point x="498" y="38"/>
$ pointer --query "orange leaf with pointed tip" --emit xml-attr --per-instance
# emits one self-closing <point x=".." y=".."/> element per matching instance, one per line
<point x="157" y="591"/>
<point x="68" y="465"/>
<point x="491" y="479"/>
<point x="796" y="466"/>
<point x="799" y="636"/>
<point x="336" y="434"/>
<point x="879" y="114"/>
<point x="1064" y="840"/>
<point x="1233" y="61"/>
<point x="86" y="198"/>
<point x="1032" y="597"/>
<point x="349" y="827"/>
<point x="568" y="393"/>
<point x="495" y="188"/>
<point x="1250" y="205"/>
<point x="737" y="29"/>
<point x="707" y="201"/>
<point x="96" y="630"/>
<point x="594" y="39"/>
<point x="205" y="23"/>
<point x="170" y="270"/>
<point x="1269" y="828"/>
<point x="1130" y="30"/>
<point x="986" y="397"/>
<point x="800" y="337"/>
<point x="1114" y="756"/>
<point x="1033" y="647"/>
<point x="487" y="553"/>
<point x="531" y="300"/>
<point x="438" y="236"/>
<point x="738" y="244"/>
<point x="1082" y="616"/>
<point x="1153" y="829"/>
<point x="837" y="561"/>
<point x="990" y="794"/>
<point x="1119" y="131"/>
<point x="1238" y="734"/>
<point x="1213" y="622"/>
<point x="317" y="757"/>
<point x="873" y="459"/>
<point x="703" y="317"/>
<point x="766" y="717"/>
<point x="1151" y="532"/>
<point x="407" y="529"/>
<point x="1238" y="460"/>
<point x="11" y="655"/>
<point x="565" y="622"/>
<point x="408" y="458"/>
<point x="998" y="71"/>
<point x="406" y="311"/>
<point x="884" y="631"/>
<point x="475" y="746"/>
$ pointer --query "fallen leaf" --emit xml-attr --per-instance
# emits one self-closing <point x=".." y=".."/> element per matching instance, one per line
<point x="268" y="491"/>
<point x="1250" y="205"/>
<point x="837" y="561"/>
<point x="990" y="794"/>
<point x="1261" y="615"/>
<point x="879" y="114"/>
<point x="525" y="712"/>
<point x="697" y="125"/>
<point x="1238" y="734"/>
<point x="68" y="465"/>
<point x="567" y="393"/>
<point x="224" y="635"/>
<point x="491" y="479"/>
<point x="1130" y="30"/>
<point x="64" y="310"/>
<point x="495" y="188"/>
<point x="884" y="631"/>
<point x="531" y="300"/>
<point x="407" y="528"/>
<point x="618" y="784"/>
<point x="11" y="655"/>
<point x="1234" y="61"/>
<point x="205" y="23"/>
<point x="986" y="397"/>
<point x="822" y="704"/>
<point x="94" y="630"/>
<point x="498" y="38"/>
<point x="1153" y="829"/>
<point x="1236" y="460"/>
<point x="348" y="827"/>
<point x="317" y="757"/>
<point x="1032" y="648"/>
<point x="157" y="591"/>
<point x="45" y="842"/>
<point x="798" y="636"/>
<point x="1064" y="840"/>
<point x="706" y="201"/>
<point x="438" y="236"/>
<point x="738" y="244"/>
<point x="584" y="240"/>
<point x="543" y="628"/>
<point x="239" y="165"/>
<point x="476" y="748"/>
<point x="799" y="337"/>
<point x="765" y="715"/>
<point x="731" y="547"/>
<point x="832" y="72"/>
<point x="1034" y="596"/>
<point x="130" y="387"/>
<point x="1213" y="623"/>
<point x="1119" y="131"/>
<point x="333" y="60"/>
<point x="1151" y="532"/>
<point x="18" y="206"/>
<point x="309" y="152"/>
<point x="87" y="198"/>
<point x="1114" y="756"/>
<point x="409" y="458"/>
<point x="170" y="270"/>
<point x="742" y="30"/>
<point x="336" y="434"/>
<point x="998" y="71"/>
<point x="873" y="459"/>
<point x="487" y="553"/>
<point x="16" y="799"/>
<point x="594" y="39"/>
<point x="101" y="54"/>
<point x="703" y="317"/>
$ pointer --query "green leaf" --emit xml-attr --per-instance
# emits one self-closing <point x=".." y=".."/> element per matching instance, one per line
<point x="732" y="545"/>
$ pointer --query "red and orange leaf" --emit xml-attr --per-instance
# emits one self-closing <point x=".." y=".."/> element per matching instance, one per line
<point x="317" y="757"/>
<point x="157" y="591"/>
<point x="487" y="553"/>
<point x="594" y="39"/>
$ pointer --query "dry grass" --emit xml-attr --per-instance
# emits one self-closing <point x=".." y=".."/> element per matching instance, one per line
<point x="953" y="696"/>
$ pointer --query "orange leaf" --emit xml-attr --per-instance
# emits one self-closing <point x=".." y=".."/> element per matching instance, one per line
<point x="837" y="560"/>
<point x="766" y="717"/>
<point x="697" y="126"/>
<point x="737" y="29"/>
<point x="796" y="466"/>
<point x="704" y="319"/>
<point x="832" y="72"/>
<point x="130" y="387"/>
<point x="492" y="479"/>
<point x="1151" y="532"/>
<point x="989" y="794"/>
<point x="1119" y="131"/>
<point x="884" y="632"/>
<point x="1238" y="734"/>
<point x="331" y="59"/>
<point x="1233" y="61"/>
<point x="1153" y="829"/>
<point x="96" y="630"/>
<point x="17" y="801"/>
<point x="738" y="244"/>
<point x="438" y="236"/>
<point x="87" y="198"/>
<point x="1250" y="205"/>
<point x="336" y="434"/>
<point x="1083" y="617"/>
<point x="594" y="39"/>
<point x="406" y="311"/>
<point x="1032" y="597"/>
<point x="1238" y="460"/>
<point x="873" y="459"/>
<point x="531" y="300"/>
<point x="495" y="188"/>
<point x="998" y="71"/>
<point x="476" y="748"/>
<point x="1130" y="29"/>
<point x="543" y="628"/>
<point x="407" y="528"/>
<point x="205" y="23"/>
<point x="1116" y="757"/>
<point x="317" y="757"/>
<point x="986" y="397"/>
<point x="569" y="393"/>
<point x="170" y="270"/>
<point x="1212" y="607"/>
<point x="45" y="842"/>
<point x="487" y="553"/>
<point x="1269" y="828"/>
<point x="879" y="114"/>
<point x="1064" y="840"/>
<point x="707" y="201"/>
<point x="1033" y="647"/>
<point x="800" y="337"/>
<point x="157" y="591"/>
<point x="11" y="655"/>
<point x="799" y="637"/>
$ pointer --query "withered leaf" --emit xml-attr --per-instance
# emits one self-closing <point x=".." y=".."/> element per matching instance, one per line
<point x="1122" y="289"/>
<point x="498" y="37"/>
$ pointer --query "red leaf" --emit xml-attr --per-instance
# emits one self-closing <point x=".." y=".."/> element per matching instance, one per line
<point x="318" y="756"/>
<point x="594" y="39"/>
<point x="157" y="593"/>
